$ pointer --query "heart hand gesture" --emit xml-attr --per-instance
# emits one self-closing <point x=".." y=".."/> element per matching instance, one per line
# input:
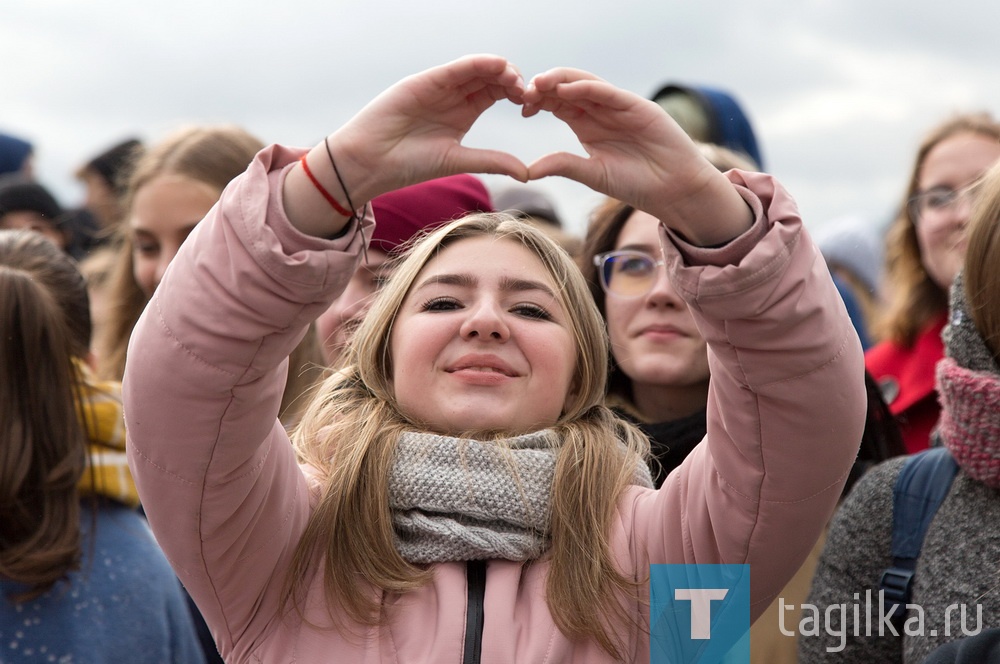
<point x="413" y="132"/>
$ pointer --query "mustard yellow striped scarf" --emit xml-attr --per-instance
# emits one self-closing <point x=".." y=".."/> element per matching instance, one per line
<point x="100" y="410"/>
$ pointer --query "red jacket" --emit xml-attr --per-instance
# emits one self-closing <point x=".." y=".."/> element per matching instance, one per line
<point x="906" y="376"/>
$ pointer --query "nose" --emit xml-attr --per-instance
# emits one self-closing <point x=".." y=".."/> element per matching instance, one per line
<point x="663" y="294"/>
<point x="962" y="209"/>
<point x="486" y="320"/>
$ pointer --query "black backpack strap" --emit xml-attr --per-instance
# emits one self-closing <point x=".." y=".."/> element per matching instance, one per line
<point x="922" y="485"/>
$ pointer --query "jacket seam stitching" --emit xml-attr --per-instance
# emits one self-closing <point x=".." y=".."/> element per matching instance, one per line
<point x="166" y="329"/>
<point x="841" y="351"/>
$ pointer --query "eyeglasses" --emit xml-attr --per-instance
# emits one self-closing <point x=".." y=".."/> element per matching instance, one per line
<point x="627" y="274"/>
<point x="935" y="202"/>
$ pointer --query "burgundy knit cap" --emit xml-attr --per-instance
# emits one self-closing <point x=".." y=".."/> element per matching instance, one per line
<point x="401" y="214"/>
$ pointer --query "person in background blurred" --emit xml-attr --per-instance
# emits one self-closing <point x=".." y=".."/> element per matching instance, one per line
<point x="924" y="248"/>
<point x="105" y="178"/>
<point x="531" y="204"/>
<point x="16" y="157"/>
<point x="957" y="564"/>
<point x="171" y="188"/>
<point x="81" y="577"/>
<point x="710" y="115"/>
<point x="28" y="205"/>
<point x="659" y="360"/>
<point x="403" y="215"/>
<point x="852" y="248"/>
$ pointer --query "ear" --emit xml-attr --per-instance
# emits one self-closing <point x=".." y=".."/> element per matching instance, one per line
<point x="91" y="361"/>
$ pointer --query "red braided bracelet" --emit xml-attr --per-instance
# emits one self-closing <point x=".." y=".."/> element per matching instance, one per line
<point x="326" y="194"/>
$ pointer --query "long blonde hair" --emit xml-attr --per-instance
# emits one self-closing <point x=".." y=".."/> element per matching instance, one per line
<point x="349" y="435"/>
<point x="210" y="155"/>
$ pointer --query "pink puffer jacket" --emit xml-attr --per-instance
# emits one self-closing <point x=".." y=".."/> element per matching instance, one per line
<point x="228" y="502"/>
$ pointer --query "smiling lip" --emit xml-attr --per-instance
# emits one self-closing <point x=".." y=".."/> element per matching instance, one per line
<point x="482" y="369"/>
<point x="484" y="365"/>
<point x="661" y="331"/>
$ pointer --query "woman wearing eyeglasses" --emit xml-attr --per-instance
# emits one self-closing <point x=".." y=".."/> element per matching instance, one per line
<point x="925" y="246"/>
<point x="659" y="369"/>
<point x="659" y="376"/>
<point x="659" y="364"/>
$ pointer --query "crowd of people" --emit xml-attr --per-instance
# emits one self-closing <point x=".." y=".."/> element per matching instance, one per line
<point x="265" y="403"/>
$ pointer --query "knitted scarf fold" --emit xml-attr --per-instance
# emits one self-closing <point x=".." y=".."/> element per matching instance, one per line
<point x="968" y="382"/>
<point x="970" y="419"/>
<point x="459" y="499"/>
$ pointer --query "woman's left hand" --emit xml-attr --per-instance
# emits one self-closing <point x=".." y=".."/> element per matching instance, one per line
<point x="637" y="154"/>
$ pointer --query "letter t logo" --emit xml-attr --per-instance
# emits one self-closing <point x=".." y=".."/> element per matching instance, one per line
<point x="701" y="608"/>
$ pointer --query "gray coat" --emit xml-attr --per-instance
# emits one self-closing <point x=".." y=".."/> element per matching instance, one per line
<point x="959" y="564"/>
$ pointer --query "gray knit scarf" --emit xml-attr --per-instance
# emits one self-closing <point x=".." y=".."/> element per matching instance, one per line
<point x="460" y="499"/>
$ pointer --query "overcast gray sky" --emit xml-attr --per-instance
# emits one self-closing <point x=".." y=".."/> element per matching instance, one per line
<point x="839" y="91"/>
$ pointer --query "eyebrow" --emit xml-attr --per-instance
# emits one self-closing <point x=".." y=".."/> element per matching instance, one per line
<point x="186" y="229"/>
<point x="645" y="248"/>
<point x="974" y="182"/>
<point x="507" y="284"/>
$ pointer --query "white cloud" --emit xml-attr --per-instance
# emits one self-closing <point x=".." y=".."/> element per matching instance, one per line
<point x="839" y="92"/>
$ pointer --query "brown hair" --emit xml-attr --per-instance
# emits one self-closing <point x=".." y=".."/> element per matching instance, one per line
<point x="349" y="436"/>
<point x="210" y="155"/>
<point x="44" y="328"/>
<point x="606" y="224"/>
<point x="913" y="298"/>
<point x="981" y="271"/>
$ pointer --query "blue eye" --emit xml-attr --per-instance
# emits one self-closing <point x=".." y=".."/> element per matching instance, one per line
<point x="636" y="266"/>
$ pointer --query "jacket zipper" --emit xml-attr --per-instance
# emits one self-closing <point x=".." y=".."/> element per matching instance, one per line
<point x="475" y="574"/>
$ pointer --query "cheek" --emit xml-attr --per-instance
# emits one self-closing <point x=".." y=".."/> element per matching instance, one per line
<point x="932" y="247"/>
<point x="926" y="239"/>
<point x="143" y="269"/>
<point x="406" y="357"/>
<point x="557" y="356"/>
<point x="618" y="315"/>
<point x="409" y="380"/>
<point x="701" y="361"/>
